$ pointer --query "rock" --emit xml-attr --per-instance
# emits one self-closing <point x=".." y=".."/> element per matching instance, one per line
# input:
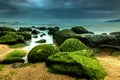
<point x="51" y="30"/>
<point x="26" y="35"/>
<point x="35" y="36"/>
<point x="10" y="60"/>
<point x="24" y="29"/>
<point x="7" y="29"/>
<point x="42" y="28"/>
<point x="11" y="38"/>
<point x="16" y="65"/>
<point x="104" y="34"/>
<point x="33" y="27"/>
<point x="72" y="44"/>
<point x="43" y="34"/>
<point x="79" y="30"/>
<point x="35" y="32"/>
<point x="41" y="41"/>
<point x="95" y="40"/>
<point x="75" y="64"/>
<point x="3" y="33"/>
<point x="60" y="36"/>
<point x="115" y="38"/>
<point x="41" y="52"/>
<point x="115" y="53"/>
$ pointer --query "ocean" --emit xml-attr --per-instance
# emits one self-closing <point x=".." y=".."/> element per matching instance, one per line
<point x="96" y="27"/>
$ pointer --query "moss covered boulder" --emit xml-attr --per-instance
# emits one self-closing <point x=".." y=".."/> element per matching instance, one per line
<point x="79" y="29"/>
<point x="11" y="38"/>
<point x="115" y="53"/>
<point x="72" y="44"/>
<point x="7" y="29"/>
<point x="14" y="56"/>
<point x="16" y="53"/>
<point x="26" y="35"/>
<point x="77" y="65"/>
<point x="60" y="36"/>
<point x="41" y="41"/>
<point x="41" y="52"/>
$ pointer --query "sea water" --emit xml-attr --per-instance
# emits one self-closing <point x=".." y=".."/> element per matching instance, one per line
<point x="96" y="27"/>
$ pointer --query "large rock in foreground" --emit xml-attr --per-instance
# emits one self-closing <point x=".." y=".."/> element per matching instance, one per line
<point x="72" y="44"/>
<point x="41" y="52"/>
<point x="75" y="64"/>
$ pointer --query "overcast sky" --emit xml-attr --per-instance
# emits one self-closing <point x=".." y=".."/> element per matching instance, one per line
<point x="59" y="9"/>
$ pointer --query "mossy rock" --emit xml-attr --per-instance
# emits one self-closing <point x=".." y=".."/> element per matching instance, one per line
<point x="41" y="52"/>
<point x="76" y="65"/>
<point x="41" y="41"/>
<point x="10" y="60"/>
<point x="25" y="29"/>
<point x="26" y="35"/>
<point x="11" y="38"/>
<point x="7" y="29"/>
<point x="3" y="33"/>
<point x="79" y="29"/>
<point x="60" y="36"/>
<point x="14" y="56"/>
<point x="16" y="53"/>
<point x="72" y="44"/>
<point x="35" y="36"/>
<point x="116" y="53"/>
<point x="19" y="45"/>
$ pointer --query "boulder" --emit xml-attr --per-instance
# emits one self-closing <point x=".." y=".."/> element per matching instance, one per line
<point x="35" y="32"/>
<point x="26" y="35"/>
<point x="25" y="29"/>
<point x="72" y="44"/>
<point x="41" y="41"/>
<point x="11" y="38"/>
<point x="51" y="30"/>
<point x="95" y="40"/>
<point x="115" y="53"/>
<point x="42" y="28"/>
<point x="76" y="64"/>
<point x="60" y="36"/>
<point x="35" y="36"/>
<point x="79" y="30"/>
<point x="41" y="52"/>
<point x="3" y="33"/>
<point x="7" y="29"/>
<point x="10" y="60"/>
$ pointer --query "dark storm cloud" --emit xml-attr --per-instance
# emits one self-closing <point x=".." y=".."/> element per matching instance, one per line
<point x="60" y="8"/>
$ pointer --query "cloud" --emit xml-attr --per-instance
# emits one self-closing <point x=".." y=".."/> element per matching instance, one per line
<point x="60" y="8"/>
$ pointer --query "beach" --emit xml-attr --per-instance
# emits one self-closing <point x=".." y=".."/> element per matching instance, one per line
<point x="39" y="71"/>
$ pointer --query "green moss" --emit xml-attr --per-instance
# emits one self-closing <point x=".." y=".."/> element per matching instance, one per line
<point x="76" y="65"/>
<point x="16" y="53"/>
<point x="1" y="66"/>
<point x="7" y="29"/>
<point x="17" y="45"/>
<point x="11" y="38"/>
<point x="41" y="52"/>
<point x="116" y="53"/>
<point x="26" y="35"/>
<point x="60" y="36"/>
<point x="79" y="29"/>
<point x="72" y="44"/>
<point x="25" y="65"/>
<point x="10" y="60"/>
